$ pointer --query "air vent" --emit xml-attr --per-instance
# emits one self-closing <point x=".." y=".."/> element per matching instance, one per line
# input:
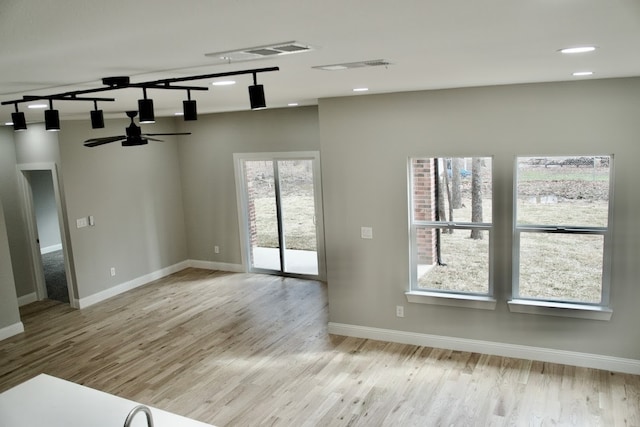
<point x="350" y="65"/>
<point x="259" y="52"/>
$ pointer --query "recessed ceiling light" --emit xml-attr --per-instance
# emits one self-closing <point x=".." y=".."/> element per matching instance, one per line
<point x="224" y="83"/>
<point x="583" y="73"/>
<point x="37" y="106"/>
<point x="292" y="104"/>
<point x="579" y="49"/>
<point x="361" y="89"/>
<point x="179" y="113"/>
<point x="8" y="124"/>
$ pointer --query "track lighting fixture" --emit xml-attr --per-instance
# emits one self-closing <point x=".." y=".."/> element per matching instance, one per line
<point x="97" y="118"/>
<point x="256" y="95"/>
<point x="189" y="108"/>
<point x="145" y="108"/>
<point x="145" y="105"/>
<point x="18" y="119"/>
<point x="51" y="118"/>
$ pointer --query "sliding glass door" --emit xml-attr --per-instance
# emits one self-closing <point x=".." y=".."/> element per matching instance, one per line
<point x="280" y="212"/>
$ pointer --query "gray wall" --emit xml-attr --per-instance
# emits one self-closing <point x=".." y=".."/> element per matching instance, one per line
<point x="365" y="144"/>
<point x="46" y="211"/>
<point x="134" y="194"/>
<point x="160" y="204"/>
<point x="9" y="314"/>
<point x="16" y="228"/>
<point x="207" y="170"/>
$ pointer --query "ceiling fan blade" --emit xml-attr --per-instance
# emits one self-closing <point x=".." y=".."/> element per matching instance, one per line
<point x="154" y="139"/>
<point x="160" y="134"/>
<point x="100" y="141"/>
<point x="106" y="138"/>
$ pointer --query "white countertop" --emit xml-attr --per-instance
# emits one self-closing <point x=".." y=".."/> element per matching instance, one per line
<point x="46" y="401"/>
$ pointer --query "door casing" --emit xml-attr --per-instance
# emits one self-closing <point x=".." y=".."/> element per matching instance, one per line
<point x="29" y="217"/>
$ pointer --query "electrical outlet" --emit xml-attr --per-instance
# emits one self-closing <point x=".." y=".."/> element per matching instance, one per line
<point x="113" y="271"/>
<point x="216" y="249"/>
<point x="399" y="311"/>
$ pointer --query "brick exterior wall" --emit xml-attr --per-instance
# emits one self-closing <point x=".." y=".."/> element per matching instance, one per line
<point x="424" y="205"/>
<point x="251" y="207"/>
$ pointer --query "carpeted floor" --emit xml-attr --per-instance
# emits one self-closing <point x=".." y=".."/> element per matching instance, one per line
<point x="55" y="277"/>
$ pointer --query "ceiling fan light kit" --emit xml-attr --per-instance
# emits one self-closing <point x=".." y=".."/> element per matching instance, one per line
<point x="145" y="105"/>
<point x="133" y="136"/>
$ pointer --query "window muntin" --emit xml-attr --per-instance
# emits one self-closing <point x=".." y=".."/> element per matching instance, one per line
<point x="561" y="231"/>
<point x="445" y="257"/>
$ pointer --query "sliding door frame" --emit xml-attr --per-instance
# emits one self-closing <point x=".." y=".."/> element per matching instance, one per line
<point x="243" y="203"/>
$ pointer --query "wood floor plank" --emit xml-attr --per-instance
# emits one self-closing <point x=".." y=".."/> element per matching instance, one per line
<point x="241" y="349"/>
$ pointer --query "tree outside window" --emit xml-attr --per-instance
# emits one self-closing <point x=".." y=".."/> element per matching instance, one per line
<point x="451" y="224"/>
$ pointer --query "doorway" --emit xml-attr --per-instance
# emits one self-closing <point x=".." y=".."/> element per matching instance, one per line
<point x="47" y="234"/>
<point x="279" y="204"/>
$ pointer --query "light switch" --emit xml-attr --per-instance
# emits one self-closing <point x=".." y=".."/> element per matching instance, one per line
<point x="366" y="232"/>
<point x="81" y="222"/>
<point x="92" y="222"/>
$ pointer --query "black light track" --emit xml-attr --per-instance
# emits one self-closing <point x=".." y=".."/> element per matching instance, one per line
<point x="123" y="82"/>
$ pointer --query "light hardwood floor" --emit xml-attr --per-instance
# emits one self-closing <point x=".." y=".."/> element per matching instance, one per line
<point x="241" y="349"/>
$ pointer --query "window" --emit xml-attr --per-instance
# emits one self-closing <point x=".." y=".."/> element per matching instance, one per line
<point x="450" y="229"/>
<point x="561" y="234"/>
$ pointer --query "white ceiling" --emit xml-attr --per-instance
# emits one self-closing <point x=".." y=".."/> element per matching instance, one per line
<point x="56" y="46"/>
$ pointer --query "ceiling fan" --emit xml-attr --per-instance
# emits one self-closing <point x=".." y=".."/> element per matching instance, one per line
<point x="133" y="137"/>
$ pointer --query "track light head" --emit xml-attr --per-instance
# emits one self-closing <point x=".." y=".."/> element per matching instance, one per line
<point x="51" y="118"/>
<point x="145" y="109"/>
<point x="97" y="119"/>
<point x="190" y="110"/>
<point x="19" y="121"/>
<point x="256" y="97"/>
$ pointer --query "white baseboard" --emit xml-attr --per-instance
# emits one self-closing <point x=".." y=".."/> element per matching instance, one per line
<point x="51" y="248"/>
<point x="211" y="265"/>
<point x="27" y="299"/>
<point x="586" y="360"/>
<point x="131" y="284"/>
<point x="11" y="330"/>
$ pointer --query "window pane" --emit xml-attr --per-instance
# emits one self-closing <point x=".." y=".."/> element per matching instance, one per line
<point x="446" y="188"/>
<point x="263" y="223"/>
<point x="565" y="267"/>
<point x="298" y="204"/>
<point x="563" y="191"/>
<point x="452" y="261"/>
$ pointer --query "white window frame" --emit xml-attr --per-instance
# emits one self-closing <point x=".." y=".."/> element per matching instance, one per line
<point x="556" y="307"/>
<point x="445" y="297"/>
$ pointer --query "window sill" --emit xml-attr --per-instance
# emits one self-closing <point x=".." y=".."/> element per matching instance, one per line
<point x="452" y="300"/>
<point x="580" y="311"/>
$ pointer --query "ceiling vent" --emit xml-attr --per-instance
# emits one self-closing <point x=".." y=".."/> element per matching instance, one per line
<point x="259" y="52"/>
<point x="350" y="65"/>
